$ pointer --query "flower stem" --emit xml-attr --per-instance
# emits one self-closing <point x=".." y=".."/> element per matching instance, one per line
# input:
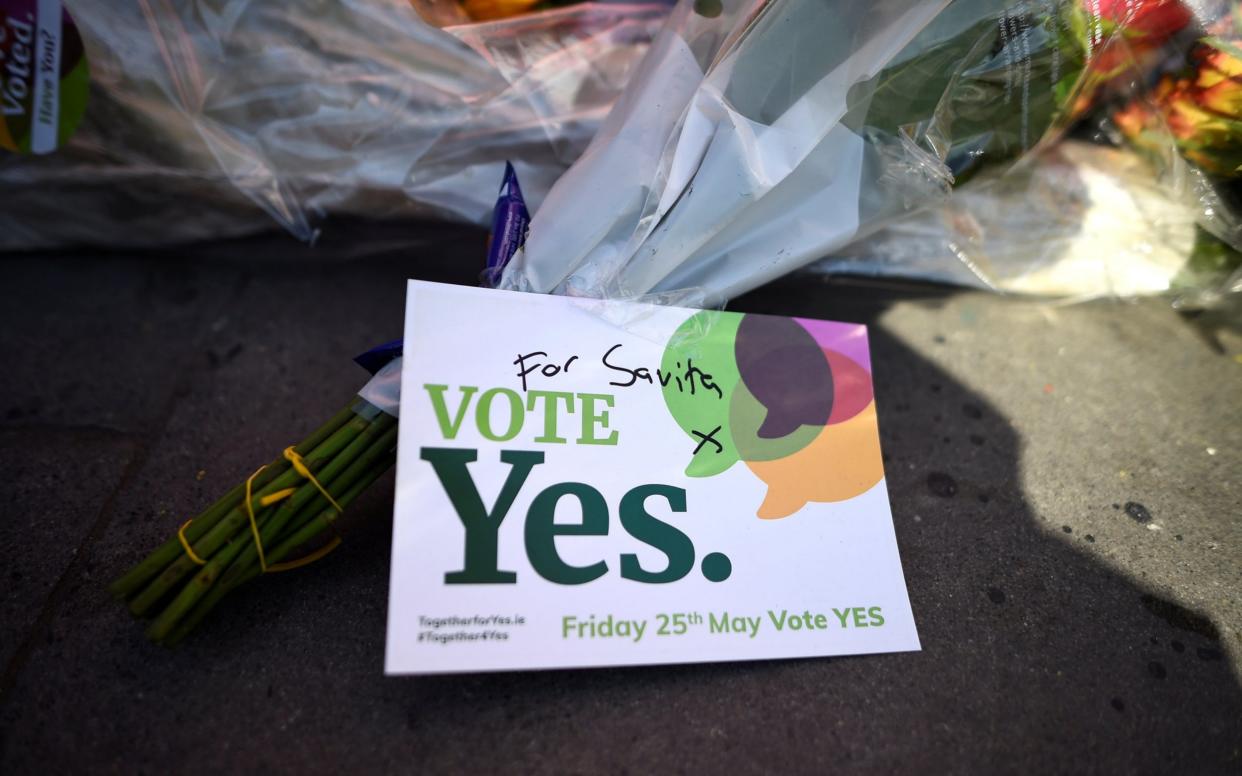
<point x="315" y="527"/>
<point x="159" y="560"/>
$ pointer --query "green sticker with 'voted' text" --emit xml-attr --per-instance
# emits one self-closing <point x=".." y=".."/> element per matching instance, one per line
<point x="43" y="76"/>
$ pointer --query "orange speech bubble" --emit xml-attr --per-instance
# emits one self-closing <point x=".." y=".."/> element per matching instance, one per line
<point x="842" y="462"/>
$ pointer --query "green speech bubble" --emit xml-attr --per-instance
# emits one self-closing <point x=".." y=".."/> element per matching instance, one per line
<point x="700" y="355"/>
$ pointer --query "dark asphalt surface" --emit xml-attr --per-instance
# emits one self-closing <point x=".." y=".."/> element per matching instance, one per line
<point x="1066" y="483"/>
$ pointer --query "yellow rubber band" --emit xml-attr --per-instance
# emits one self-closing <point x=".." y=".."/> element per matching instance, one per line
<point x="185" y="544"/>
<point x="306" y="560"/>
<point x="300" y="467"/>
<point x="292" y="457"/>
<point x="279" y="495"/>
<point x="254" y="526"/>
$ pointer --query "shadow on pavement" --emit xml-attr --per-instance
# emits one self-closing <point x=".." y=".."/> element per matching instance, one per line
<point x="1037" y="657"/>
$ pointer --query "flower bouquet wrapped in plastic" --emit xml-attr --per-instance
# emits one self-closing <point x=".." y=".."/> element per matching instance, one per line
<point x="758" y="136"/>
<point x="1090" y="215"/>
<point x="209" y="119"/>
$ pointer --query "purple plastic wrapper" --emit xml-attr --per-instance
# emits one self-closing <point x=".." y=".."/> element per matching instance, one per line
<point x="377" y="357"/>
<point x="510" y="220"/>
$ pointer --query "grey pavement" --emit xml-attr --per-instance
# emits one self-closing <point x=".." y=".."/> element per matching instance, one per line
<point x="1066" y="484"/>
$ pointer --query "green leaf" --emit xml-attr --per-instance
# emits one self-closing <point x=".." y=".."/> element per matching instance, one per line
<point x="967" y="92"/>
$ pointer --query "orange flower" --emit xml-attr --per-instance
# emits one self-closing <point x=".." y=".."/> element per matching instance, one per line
<point x="1204" y="113"/>
<point x="1216" y="64"/>
<point x="1219" y="82"/>
<point x="1141" y="122"/>
<point x="1190" y="122"/>
<point x="489" y="10"/>
<point x="1134" y="119"/>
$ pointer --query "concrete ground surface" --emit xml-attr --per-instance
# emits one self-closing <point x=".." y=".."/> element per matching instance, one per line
<point x="1066" y="483"/>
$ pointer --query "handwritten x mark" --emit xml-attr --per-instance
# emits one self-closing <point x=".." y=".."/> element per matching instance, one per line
<point x="710" y="436"/>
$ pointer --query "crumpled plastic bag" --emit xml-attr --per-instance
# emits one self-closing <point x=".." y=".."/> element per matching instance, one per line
<point x="201" y="110"/>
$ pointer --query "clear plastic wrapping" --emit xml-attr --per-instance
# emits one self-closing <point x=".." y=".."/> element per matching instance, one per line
<point x="1082" y="220"/>
<point x="760" y="136"/>
<point x="1150" y="205"/>
<point x="202" y="109"/>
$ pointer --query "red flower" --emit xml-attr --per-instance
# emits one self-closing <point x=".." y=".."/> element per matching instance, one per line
<point x="1155" y="18"/>
<point x="1122" y="34"/>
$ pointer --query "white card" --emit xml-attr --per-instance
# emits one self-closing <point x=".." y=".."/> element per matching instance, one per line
<point x="585" y="483"/>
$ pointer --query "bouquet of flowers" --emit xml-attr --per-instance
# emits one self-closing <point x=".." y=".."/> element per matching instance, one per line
<point x="1186" y="119"/>
<point x="1084" y="219"/>
<point x="757" y="137"/>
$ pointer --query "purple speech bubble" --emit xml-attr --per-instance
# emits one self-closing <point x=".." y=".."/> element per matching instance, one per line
<point x="785" y="369"/>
